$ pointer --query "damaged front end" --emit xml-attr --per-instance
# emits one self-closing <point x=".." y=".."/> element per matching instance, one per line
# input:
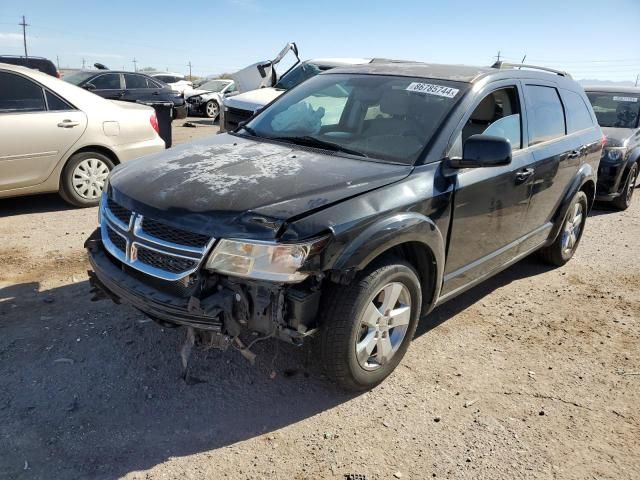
<point x="179" y="278"/>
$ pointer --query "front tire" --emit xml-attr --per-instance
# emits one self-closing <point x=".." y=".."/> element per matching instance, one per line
<point x="623" y="201"/>
<point x="84" y="177"/>
<point x="366" y="327"/>
<point x="212" y="109"/>
<point x="566" y="244"/>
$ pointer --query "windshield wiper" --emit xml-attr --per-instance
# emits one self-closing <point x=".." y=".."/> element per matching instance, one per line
<point x="309" y="141"/>
<point x="249" y="130"/>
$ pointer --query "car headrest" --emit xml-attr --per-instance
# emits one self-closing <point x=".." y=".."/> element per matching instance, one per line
<point x="395" y="102"/>
<point x="486" y="110"/>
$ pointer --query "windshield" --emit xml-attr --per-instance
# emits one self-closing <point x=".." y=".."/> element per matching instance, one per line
<point x="214" y="85"/>
<point x="297" y="75"/>
<point x="615" y="109"/>
<point x="78" y="77"/>
<point x="382" y="117"/>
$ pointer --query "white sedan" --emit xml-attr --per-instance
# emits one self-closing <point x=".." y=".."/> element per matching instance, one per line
<point x="56" y="137"/>
<point x="176" y="81"/>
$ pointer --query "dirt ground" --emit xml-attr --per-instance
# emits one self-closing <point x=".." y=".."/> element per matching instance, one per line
<point x="534" y="374"/>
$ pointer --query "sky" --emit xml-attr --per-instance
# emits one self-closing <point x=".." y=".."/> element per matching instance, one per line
<point x="590" y="39"/>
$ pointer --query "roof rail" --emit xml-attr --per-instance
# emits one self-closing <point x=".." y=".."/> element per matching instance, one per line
<point x="502" y="65"/>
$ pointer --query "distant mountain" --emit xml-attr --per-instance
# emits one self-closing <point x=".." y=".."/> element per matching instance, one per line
<point x="592" y="81"/>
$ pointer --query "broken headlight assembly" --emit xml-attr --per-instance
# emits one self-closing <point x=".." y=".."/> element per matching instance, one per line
<point x="274" y="262"/>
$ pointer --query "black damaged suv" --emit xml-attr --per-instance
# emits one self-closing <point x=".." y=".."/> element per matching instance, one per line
<point x="352" y="205"/>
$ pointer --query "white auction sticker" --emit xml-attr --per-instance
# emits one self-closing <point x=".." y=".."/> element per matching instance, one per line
<point x="625" y="99"/>
<point x="431" y="89"/>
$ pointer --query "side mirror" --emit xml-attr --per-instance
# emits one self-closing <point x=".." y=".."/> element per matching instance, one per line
<point x="483" y="151"/>
<point x="89" y="86"/>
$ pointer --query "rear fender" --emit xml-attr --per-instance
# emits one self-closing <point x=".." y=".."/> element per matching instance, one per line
<point x="584" y="175"/>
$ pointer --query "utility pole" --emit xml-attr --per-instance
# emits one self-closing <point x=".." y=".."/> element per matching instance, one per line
<point x="58" y="62"/>
<point x="24" y="26"/>
<point x="135" y="64"/>
<point x="190" y="76"/>
<point x="498" y="56"/>
<point x="637" y="78"/>
<point x="83" y="63"/>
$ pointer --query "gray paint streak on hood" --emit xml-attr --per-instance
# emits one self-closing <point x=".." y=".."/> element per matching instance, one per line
<point x="229" y="186"/>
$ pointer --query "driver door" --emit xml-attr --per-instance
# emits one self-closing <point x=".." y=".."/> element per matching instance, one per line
<point x="490" y="204"/>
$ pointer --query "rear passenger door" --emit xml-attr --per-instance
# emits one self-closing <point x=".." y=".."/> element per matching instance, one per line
<point x="137" y="88"/>
<point x="556" y="157"/>
<point x="37" y="128"/>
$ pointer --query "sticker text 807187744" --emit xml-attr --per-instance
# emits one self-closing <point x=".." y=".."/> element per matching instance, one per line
<point x="431" y="89"/>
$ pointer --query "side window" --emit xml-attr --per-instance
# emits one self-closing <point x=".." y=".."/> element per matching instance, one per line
<point x="578" y="116"/>
<point x="19" y="94"/>
<point x="108" y="81"/>
<point x="545" y="114"/>
<point x="497" y="114"/>
<point x="55" y="103"/>
<point x="152" y="84"/>
<point x="231" y="88"/>
<point x="134" y="81"/>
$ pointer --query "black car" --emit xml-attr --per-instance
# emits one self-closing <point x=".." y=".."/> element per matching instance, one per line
<point x="128" y="86"/>
<point x="38" y="63"/>
<point x="618" y="111"/>
<point x="352" y="205"/>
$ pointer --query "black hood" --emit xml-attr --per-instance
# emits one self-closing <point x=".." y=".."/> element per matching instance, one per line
<point x="617" y="136"/>
<point x="231" y="186"/>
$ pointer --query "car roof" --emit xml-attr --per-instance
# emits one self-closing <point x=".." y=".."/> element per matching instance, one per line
<point x="30" y="57"/>
<point x="611" y="89"/>
<point x="337" y="62"/>
<point x="458" y="73"/>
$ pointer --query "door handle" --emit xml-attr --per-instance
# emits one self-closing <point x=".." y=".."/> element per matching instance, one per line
<point x="575" y="154"/>
<point x="522" y="175"/>
<point x="68" y="124"/>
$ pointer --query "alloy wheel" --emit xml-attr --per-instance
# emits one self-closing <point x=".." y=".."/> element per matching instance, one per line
<point x="212" y="109"/>
<point x="633" y="176"/>
<point x="572" y="229"/>
<point x="89" y="178"/>
<point x="383" y="326"/>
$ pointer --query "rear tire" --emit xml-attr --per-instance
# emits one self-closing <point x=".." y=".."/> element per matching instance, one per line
<point x="83" y="178"/>
<point x="566" y="244"/>
<point x="366" y="327"/>
<point x="623" y="201"/>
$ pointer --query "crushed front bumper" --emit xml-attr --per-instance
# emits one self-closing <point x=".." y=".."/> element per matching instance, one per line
<point x="109" y="278"/>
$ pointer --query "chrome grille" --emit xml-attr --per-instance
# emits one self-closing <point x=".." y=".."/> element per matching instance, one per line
<point x="163" y="261"/>
<point x="119" y="212"/>
<point x="173" y="235"/>
<point x="149" y="246"/>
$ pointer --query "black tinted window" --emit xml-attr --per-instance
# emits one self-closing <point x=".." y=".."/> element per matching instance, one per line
<point x="135" y="81"/>
<point x="152" y="84"/>
<point x="619" y="110"/>
<point x="578" y="116"/>
<point x="56" y="103"/>
<point x="108" y="81"/>
<point x="545" y="114"/>
<point x="18" y="94"/>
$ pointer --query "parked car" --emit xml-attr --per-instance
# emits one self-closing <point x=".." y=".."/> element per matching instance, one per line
<point x="39" y="63"/>
<point x="177" y="82"/>
<point x="207" y="98"/>
<point x="129" y="87"/>
<point x="352" y="205"/>
<point x="618" y="111"/>
<point x="59" y="138"/>
<point x="241" y="107"/>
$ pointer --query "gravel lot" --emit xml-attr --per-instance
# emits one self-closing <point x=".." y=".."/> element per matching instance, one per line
<point x="534" y="374"/>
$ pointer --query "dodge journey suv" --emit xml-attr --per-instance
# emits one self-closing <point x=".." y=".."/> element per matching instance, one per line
<point x="352" y="205"/>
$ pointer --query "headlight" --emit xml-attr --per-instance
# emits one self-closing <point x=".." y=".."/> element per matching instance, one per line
<point x="613" y="154"/>
<point x="274" y="262"/>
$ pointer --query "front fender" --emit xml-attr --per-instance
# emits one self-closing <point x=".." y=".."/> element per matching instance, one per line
<point x="390" y="232"/>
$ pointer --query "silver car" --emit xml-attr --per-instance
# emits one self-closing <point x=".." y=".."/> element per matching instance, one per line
<point x="56" y="137"/>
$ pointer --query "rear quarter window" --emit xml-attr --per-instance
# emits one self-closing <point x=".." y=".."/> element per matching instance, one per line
<point x="577" y="112"/>
<point x="545" y="114"/>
